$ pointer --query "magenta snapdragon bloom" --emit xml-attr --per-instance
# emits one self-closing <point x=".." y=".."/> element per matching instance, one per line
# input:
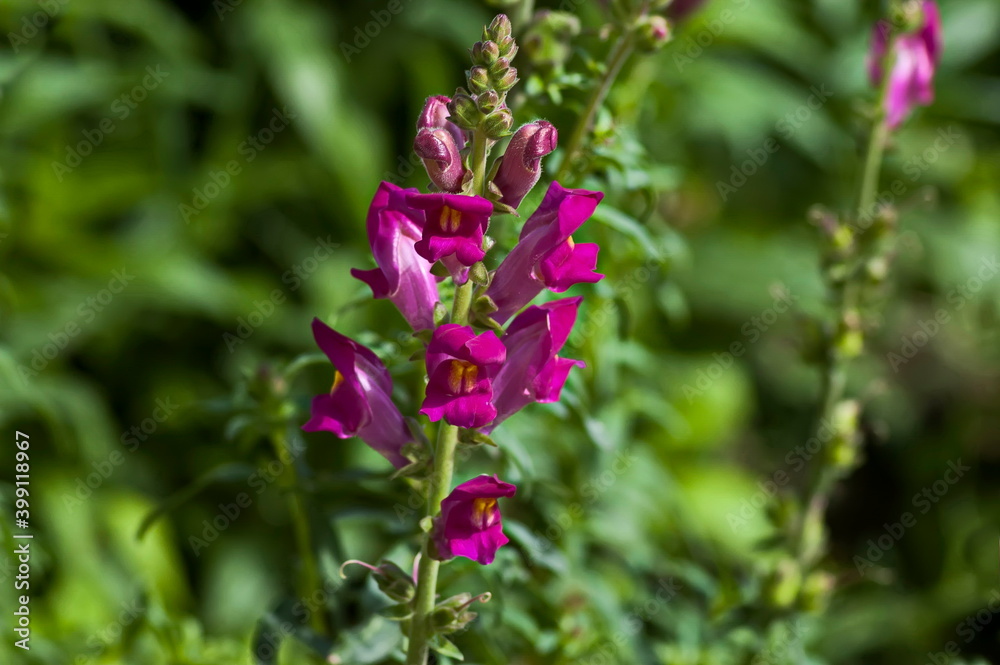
<point x="915" y="59"/>
<point x="360" y="401"/>
<point x="533" y="372"/>
<point x="460" y="370"/>
<point x="438" y="143"/>
<point x="402" y="275"/>
<point x="521" y="164"/>
<point x="469" y="524"/>
<point x="546" y="255"/>
<point x="454" y="226"/>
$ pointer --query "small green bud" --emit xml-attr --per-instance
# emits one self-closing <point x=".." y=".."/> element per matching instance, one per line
<point x="440" y="314"/>
<point x="479" y="80"/>
<point x="464" y="112"/>
<point x="877" y="269"/>
<point x="504" y="83"/>
<point x="850" y="341"/>
<point x="498" y="124"/>
<point x="485" y="53"/>
<point x="508" y="48"/>
<point x="479" y="274"/>
<point x="844" y="450"/>
<point x="816" y="591"/>
<point x="784" y="584"/>
<point x="842" y="238"/>
<point x="488" y="102"/>
<point x="652" y="33"/>
<point x="499" y="28"/>
<point x="499" y="68"/>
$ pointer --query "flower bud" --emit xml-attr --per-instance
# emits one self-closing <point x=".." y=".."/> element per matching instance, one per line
<point x="499" y="28"/>
<point x="464" y="112"/>
<point x="549" y="39"/>
<point x="784" y="584"/>
<point x="499" y="68"/>
<point x="435" y="112"/>
<point x="485" y="53"/>
<point x="521" y="165"/>
<point x="479" y="274"/>
<point x="652" y="32"/>
<point x="497" y="124"/>
<point x="442" y="160"/>
<point x="395" y="582"/>
<point x="504" y="83"/>
<point x="508" y="47"/>
<point x="435" y="115"/>
<point x="479" y="80"/>
<point x="488" y="101"/>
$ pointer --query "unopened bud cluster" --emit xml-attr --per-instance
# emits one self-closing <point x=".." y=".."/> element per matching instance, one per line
<point x="481" y="106"/>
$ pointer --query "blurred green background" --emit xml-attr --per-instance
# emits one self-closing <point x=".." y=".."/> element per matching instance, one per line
<point x="183" y="187"/>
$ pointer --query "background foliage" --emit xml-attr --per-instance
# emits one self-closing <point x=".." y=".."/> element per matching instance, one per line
<point x="652" y="473"/>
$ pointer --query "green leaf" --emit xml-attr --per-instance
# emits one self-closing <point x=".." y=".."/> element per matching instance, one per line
<point x="445" y="647"/>
<point x="628" y="225"/>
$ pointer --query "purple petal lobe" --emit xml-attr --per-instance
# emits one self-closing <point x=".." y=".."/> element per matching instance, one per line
<point x="520" y="276"/>
<point x="360" y="400"/>
<point x="402" y="276"/>
<point x="470" y="523"/>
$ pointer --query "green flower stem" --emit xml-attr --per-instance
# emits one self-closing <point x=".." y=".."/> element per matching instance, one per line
<point x="311" y="583"/>
<point x="846" y="296"/>
<point x="444" y="458"/>
<point x="619" y="54"/>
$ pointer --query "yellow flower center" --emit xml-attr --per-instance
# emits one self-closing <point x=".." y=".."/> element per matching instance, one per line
<point x="338" y="379"/>
<point x="484" y="512"/>
<point x="462" y="377"/>
<point x="450" y="219"/>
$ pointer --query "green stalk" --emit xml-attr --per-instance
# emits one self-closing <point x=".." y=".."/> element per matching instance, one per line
<point x="619" y="54"/>
<point x="311" y="582"/>
<point x="444" y="458"/>
<point x="846" y="296"/>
